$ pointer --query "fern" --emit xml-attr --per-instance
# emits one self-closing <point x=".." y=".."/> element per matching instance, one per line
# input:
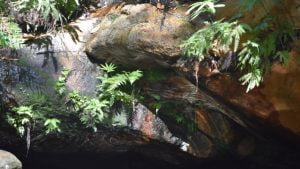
<point x="252" y="79"/>
<point x="255" y="55"/>
<point x="60" y="85"/>
<point x="249" y="55"/>
<point x="282" y="56"/>
<point x="108" y="68"/>
<point x="10" y="34"/>
<point x="77" y="101"/>
<point x="22" y="117"/>
<point x="110" y="85"/>
<point x="52" y="125"/>
<point x="114" y="82"/>
<point x="120" y="119"/>
<point x="58" y="10"/>
<point x="225" y="33"/>
<point x="36" y="109"/>
<point x="93" y="111"/>
<point x="205" y="6"/>
<point x="134" y="76"/>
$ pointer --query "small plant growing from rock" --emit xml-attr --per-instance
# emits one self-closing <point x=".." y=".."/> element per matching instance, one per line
<point x="21" y="118"/>
<point x="60" y="85"/>
<point x="52" y="125"/>
<point x="92" y="111"/>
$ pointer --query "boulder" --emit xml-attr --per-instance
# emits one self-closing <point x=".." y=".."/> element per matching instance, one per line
<point x="140" y="36"/>
<point x="9" y="161"/>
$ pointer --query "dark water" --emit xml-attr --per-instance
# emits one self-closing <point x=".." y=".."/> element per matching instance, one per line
<point x="126" y="160"/>
<point x="97" y="161"/>
<point x="130" y="160"/>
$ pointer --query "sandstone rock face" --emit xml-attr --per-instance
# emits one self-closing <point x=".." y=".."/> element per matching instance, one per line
<point x="138" y="41"/>
<point x="274" y="103"/>
<point x="281" y="89"/>
<point x="36" y="67"/>
<point x="199" y="119"/>
<point x="283" y="11"/>
<point x="9" y="161"/>
<point x="40" y="65"/>
<point x="140" y="36"/>
<point x="212" y="117"/>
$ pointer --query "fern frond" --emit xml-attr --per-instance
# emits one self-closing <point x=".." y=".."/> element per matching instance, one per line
<point x="49" y="9"/>
<point x="282" y="56"/>
<point x="108" y="67"/>
<point x="252" y="79"/>
<point x="198" y="8"/>
<point x="225" y="33"/>
<point x="134" y="76"/>
<point x="10" y="34"/>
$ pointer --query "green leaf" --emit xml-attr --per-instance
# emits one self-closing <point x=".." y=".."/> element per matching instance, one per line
<point x="282" y="56"/>
<point x="199" y="8"/>
<point x="52" y="125"/>
<point x="108" y="67"/>
<point x="134" y="76"/>
<point x="252" y="79"/>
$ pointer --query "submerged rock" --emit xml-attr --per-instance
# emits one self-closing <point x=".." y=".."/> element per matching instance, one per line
<point x="9" y="161"/>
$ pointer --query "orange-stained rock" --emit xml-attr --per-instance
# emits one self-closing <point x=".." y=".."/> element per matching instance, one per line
<point x="151" y="126"/>
<point x="202" y="121"/>
<point x="147" y="127"/>
<point x="230" y="89"/>
<point x="276" y="101"/>
<point x="283" y="11"/>
<point x="282" y="89"/>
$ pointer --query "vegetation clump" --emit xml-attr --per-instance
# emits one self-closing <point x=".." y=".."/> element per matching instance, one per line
<point x="254" y="56"/>
<point x="112" y="89"/>
<point x="10" y="33"/>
